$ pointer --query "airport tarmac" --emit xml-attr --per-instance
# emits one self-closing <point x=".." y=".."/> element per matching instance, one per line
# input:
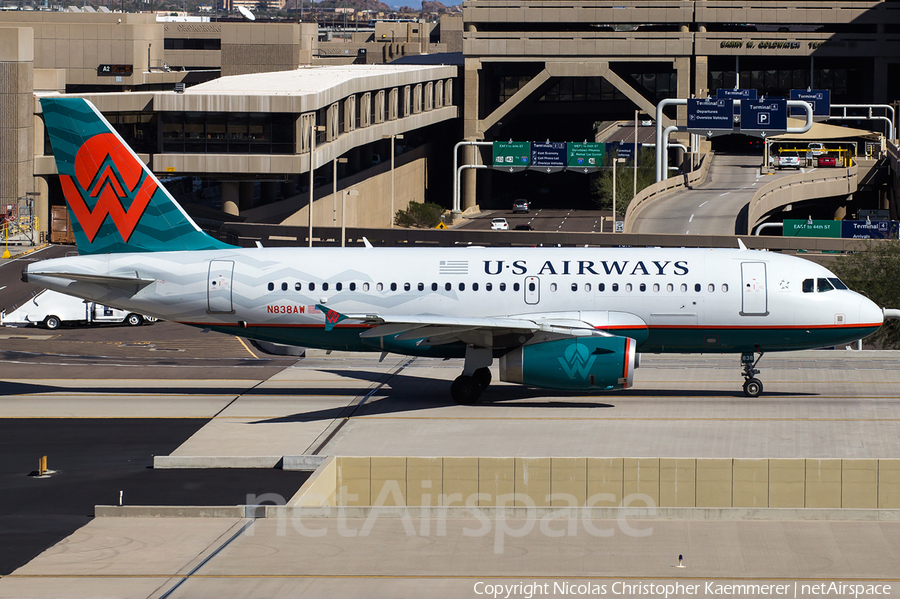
<point x="817" y="404"/>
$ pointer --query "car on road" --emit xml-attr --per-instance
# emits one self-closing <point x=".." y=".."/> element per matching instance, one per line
<point x="524" y="228"/>
<point x="499" y="224"/>
<point x="826" y="161"/>
<point x="787" y="160"/>
<point x="520" y="206"/>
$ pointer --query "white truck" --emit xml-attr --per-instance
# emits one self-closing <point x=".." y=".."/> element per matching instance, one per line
<point x="50" y="309"/>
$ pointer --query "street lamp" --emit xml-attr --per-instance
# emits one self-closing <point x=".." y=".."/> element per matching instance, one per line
<point x="344" y="194"/>
<point x="336" y="161"/>
<point x="312" y="172"/>
<point x="616" y="162"/>
<point x="392" y="137"/>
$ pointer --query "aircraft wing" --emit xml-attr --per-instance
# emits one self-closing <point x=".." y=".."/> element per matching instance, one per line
<point x="435" y="329"/>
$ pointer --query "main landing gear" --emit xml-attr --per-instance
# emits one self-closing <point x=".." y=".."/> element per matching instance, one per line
<point x="475" y="378"/>
<point x="753" y="387"/>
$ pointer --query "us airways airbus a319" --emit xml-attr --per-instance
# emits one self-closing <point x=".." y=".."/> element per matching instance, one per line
<point x="555" y="318"/>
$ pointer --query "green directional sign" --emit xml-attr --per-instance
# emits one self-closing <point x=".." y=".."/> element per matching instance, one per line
<point x="587" y="155"/>
<point x="811" y="228"/>
<point x="512" y="154"/>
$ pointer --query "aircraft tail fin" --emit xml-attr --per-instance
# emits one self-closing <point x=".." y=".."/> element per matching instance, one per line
<point x="116" y="203"/>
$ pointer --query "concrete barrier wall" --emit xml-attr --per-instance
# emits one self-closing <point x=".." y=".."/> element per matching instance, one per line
<point x="819" y="183"/>
<point x="651" y="193"/>
<point x="603" y="482"/>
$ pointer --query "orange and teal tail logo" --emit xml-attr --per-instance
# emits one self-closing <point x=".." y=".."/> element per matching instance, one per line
<point x="116" y="203"/>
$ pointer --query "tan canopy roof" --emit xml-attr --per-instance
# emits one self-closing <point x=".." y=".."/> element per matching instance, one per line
<point x="823" y="132"/>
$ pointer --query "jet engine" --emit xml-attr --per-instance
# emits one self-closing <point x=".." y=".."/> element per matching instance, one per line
<point x="595" y="363"/>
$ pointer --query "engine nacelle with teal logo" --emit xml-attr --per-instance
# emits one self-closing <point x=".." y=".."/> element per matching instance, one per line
<point x="598" y="363"/>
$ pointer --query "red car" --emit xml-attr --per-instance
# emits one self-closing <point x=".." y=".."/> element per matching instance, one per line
<point x="826" y="161"/>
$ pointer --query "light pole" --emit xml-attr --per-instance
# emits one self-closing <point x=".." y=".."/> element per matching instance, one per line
<point x="336" y="161"/>
<point x="344" y="194"/>
<point x="616" y="162"/>
<point x="634" y="193"/>
<point x="393" y="137"/>
<point x="312" y="171"/>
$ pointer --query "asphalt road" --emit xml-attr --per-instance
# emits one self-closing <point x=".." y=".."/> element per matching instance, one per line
<point x="12" y="290"/>
<point x="544" y="219"/>
<point x="718" y="207"/>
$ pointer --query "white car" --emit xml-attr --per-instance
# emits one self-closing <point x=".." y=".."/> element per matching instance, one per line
<point x="499" y="224"/>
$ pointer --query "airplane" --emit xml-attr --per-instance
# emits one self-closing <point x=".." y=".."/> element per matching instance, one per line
<point x="555" y="318"/>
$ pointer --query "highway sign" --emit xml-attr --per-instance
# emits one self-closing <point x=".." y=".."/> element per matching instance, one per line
<point x="709" y="116"/>
<point x="586" y="157"/>
<point x="736" y="94"/>
<point x="860" y="229"/>
<point x="765" y="117"/>
<point x="624" y="150"/>
<point x="512" y="155"/>
<point x="811" y="228"/>
<point x="549" y="157"/>
<point x="819" y="98"/>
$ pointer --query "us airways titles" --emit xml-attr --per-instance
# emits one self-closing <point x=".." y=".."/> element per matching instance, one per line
<point x="588" y="267"/>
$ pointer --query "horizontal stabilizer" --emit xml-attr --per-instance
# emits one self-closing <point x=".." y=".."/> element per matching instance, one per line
<point x="108" y="280"/>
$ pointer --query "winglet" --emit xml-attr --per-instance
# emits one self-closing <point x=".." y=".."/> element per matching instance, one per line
<point x="741" y="244"/>
<point x="332" y="317"/>
<point x="368" y="244"/>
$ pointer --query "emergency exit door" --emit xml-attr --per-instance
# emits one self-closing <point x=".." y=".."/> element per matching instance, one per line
<point x="218" y="288"/>
<point x="753" y="289"/>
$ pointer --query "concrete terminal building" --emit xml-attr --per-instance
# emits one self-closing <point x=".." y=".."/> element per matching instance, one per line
<point x="532" y="70"/>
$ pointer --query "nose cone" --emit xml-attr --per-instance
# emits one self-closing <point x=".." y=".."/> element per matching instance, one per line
<point x="870" y="313"/>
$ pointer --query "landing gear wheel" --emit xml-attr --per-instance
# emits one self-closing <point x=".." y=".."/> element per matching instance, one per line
<point x="134" y="320"/>
<point x="465" y="390"/>
<point x="483" y="377"/>
<point x="753" y="387"/>
<point x="52" y="322"/>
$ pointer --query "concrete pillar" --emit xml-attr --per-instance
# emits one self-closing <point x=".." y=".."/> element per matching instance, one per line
<point x="701" y="77"/>
<point x="246" y="193"/>
<point x="268" y="192"/>
<point x="230" y="195"/>
<point x="683" y="73"/>
<point x="471" y="130"/>
<point x="42" y="206"/>
<point x="469" y="179"/>
<point x="17" y="106"/>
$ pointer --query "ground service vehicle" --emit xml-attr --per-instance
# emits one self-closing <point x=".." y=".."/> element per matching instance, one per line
<point x="51" y="309"/>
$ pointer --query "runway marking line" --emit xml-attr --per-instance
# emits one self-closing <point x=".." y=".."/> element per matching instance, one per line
<point x="247" y="348"/>
<point x="640" y="419"/>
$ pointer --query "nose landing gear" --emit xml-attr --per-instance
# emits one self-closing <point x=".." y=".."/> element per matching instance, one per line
<point x="753" y="387"/>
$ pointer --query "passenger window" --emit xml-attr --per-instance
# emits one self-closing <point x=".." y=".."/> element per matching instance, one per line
<point x="711" y="288"/>
<point x="615" y="287"/>
<point x="697" y="287"/>
<point x="655" y="287"/>
<point x="324" y="286"/>
<point x="379" y="287"/>
<point x="670" y="287"/>
<point x="531" y="287"/>
<point x="552" y="286"/>
<point x="502" y="286"/>
<point x="271" y="286"/>
<point x="352" y="286"/>
<point x="587" y="286"/>
<point x="312" y="286"/>
<point x="628" y="287"/>
<point x="462" y="286"/>
<point x="421" y="287"/>
<point x="574" y="286"/>
<point x="365" y="286"/>
<point x="515" y="286"/>
<point x="488" y="286"/>
<point x="601" y="287"/>
<point x="298" y="287"/>
<point x="474" y="286"/>
<point x="448" y="286"/>
<point x="724" y="287"/>
<point x="434" y="286"/>
<point x="823" y="285"/>
<point x="338" y="286"/>
<point x="284" y="287"/>
<point x="684" y="288"/>
<point x="406" y="287"/>
<point x="393" y="286"/>
<point x="643" y="287"/>
<point x="808" y="286"/>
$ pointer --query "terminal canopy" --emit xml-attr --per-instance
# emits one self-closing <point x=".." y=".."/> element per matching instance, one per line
<point x="824" y="132"/>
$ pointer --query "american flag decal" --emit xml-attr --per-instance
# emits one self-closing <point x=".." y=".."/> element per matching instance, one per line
<point x="453" y="267"/>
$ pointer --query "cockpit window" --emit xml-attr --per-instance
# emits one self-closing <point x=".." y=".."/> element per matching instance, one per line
<point x="838" y="284"/>
<point x="823" y="285"/>
<point x="809" y="285"/>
